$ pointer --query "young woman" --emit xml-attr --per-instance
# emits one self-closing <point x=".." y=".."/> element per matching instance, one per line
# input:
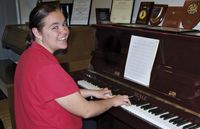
<point x="46" y="97"/>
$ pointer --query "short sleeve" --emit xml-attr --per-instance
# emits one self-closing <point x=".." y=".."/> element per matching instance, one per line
<point x="53" y="82"/>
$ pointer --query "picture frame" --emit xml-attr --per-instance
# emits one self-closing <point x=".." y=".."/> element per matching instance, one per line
<point x="144" y="13"/>
<point x="102" y="15"/>
<point x="121" y="11"/>
<point x="172" y="17"/>
<point x="157" y="14"/>
<point x="81" y="12"/>
<point x="66" y="8"/>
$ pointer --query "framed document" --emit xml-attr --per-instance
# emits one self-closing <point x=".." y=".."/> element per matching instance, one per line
<point x="144" y="13"/>
<point x="121" y="11"/>
<point x="81" y="12"/>
<point x="102" y="15"/>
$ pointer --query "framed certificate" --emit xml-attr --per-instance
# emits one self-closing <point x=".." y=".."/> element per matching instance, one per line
<point x="81" y="12"/>
<point x="121" y="11"/>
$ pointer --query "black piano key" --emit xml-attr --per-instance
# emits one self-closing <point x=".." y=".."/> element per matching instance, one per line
<point x="156" y="111"/>
<point x="164" y="115"/>
<point x="145" y="107"/>
<point x="194" y="127"/>
<point x="161" y="111"/>
<point x="115" y="91"/>
<point x="137" y="102"/>
<point x="167" y="116"/>
<point x="133" y="100"/>
<point x="153" y="110"/>
<point x="174" y="120"/>
<point x="189" y="126"/>
<point x="140" y="103"/>
<point x="181" y="121"/>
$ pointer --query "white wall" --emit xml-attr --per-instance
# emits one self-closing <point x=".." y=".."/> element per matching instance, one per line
<point x="25" y="7"/>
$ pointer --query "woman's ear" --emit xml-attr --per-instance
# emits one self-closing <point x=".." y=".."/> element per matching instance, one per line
<point x="36" y="33"/>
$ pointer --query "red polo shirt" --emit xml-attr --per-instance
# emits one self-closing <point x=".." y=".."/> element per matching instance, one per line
<point x="39" y="79"/>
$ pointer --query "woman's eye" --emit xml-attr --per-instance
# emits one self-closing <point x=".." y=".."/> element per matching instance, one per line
<point x="55" y="28"/>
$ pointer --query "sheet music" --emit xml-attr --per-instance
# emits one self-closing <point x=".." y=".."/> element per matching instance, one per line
<point x="140" y="59"/>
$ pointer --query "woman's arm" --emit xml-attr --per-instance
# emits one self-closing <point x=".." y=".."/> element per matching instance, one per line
<point x="78" y="105"/>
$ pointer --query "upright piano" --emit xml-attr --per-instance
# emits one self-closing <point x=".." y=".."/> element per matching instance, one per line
<point x="172" y="100"/>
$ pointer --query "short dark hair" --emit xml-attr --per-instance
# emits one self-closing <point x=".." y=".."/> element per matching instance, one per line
<point x="38" y="13"/>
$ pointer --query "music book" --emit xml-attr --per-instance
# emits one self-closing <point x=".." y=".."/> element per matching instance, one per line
<point x="157" y="14"/>
<point x="141" y="55"/>
<point x="144" y="13"/>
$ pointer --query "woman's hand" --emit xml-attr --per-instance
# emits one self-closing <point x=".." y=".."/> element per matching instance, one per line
<point x="103" y="93"/>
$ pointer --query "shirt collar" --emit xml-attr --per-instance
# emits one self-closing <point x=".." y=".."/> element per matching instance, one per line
<point x="43" y="50"/>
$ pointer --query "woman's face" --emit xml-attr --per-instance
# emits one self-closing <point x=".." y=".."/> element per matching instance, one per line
<point x="54" y="34"/>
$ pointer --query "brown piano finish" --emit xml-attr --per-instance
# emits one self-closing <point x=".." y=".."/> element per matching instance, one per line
<point x="76" y="57"/>
<point x="175" y="77"/>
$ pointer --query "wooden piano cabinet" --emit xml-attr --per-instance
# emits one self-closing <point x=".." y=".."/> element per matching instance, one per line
<point x="175" y="76"/>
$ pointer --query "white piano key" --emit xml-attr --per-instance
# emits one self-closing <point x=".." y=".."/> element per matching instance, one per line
<point x="156" y="120"/>
<point x="87" y="85"/>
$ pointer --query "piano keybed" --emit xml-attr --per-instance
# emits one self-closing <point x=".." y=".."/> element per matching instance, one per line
<point x="144" y="110"/>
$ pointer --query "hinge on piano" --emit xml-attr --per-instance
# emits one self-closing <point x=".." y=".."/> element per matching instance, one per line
<point x="117" y="73"/>
<point x="172" y="93"/>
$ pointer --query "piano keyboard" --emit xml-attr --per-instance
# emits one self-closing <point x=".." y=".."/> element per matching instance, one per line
<point x="152" y="114"/>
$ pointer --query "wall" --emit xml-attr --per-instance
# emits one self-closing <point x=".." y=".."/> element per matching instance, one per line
<point x="27" y="5"/>
<point x="98" y="4"/>
<point x="8" y="16"/>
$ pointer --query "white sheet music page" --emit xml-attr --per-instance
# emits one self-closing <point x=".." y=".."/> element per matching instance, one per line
<point x="140" y="59"/>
